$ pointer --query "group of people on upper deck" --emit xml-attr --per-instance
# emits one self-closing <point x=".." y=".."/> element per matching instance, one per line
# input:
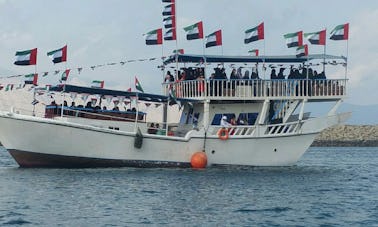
<point x="238" y="74"/>
<point x="307" y="73"/>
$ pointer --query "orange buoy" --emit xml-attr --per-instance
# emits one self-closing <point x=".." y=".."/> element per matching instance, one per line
<point x="223" y="134"/>
<point x="199" y="160"/>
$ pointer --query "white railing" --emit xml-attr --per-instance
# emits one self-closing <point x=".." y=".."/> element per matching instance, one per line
<point x="258" y="131"/>
<point x="282" y="129"/>
<point x="235" y="130"/>
<point x="258" y="89"/>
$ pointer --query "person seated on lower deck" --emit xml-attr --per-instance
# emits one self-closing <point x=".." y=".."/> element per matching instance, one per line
<point x="224" y="122"/>
<point x="152" y="129"/>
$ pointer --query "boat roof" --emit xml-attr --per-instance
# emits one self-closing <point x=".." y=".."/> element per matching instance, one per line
<point x="192" y="58"/>
<point x="100" y="91"/>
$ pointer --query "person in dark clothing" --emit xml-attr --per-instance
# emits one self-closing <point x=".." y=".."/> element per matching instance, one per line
<point x="169" y="77"/>
<point x="246" y="75"/>
<point x="233" y="75"/>
<point x="280" y="75"/>
<point x="273" y="75"/>
<point x="255" y="74"/>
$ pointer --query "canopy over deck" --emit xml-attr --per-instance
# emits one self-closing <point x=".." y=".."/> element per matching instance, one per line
<point x="100" y="91"/>
<point x="192" y="58"/>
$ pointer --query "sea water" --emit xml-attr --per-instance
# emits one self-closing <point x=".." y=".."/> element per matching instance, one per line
<point x="329" y="186"/>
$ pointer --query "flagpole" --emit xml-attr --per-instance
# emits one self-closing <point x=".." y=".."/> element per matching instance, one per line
<point x="162" y="60"/>
<point x="35" y="72"/>
<point x="324" y="54"/>
<point x="64" y="88"/>
<point x="263" y="68"/>
<point x="137" y="112"/>
<point x="166" y="120"/>
<point x="346" y="67"/>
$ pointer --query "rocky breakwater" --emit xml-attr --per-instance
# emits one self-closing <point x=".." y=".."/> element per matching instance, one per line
<point x="348" y="136"/>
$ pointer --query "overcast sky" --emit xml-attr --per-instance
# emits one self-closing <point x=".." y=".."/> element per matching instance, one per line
<point x="100" y="32"/>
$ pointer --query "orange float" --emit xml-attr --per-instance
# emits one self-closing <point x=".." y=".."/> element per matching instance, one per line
<point x="199" y="160"/>
<point x="223" y="134"/>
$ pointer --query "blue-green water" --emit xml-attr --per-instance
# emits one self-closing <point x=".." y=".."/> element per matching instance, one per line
<point x="329" y="186"/>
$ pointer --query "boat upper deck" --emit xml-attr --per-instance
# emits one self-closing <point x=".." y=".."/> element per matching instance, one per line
<point x="293" y="87"/>
<point x="313" y="90"/>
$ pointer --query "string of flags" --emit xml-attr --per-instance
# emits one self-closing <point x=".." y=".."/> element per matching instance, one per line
<point x="195" y="31"/>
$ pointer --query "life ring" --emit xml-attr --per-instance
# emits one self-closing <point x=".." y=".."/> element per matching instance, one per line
<point x="223" y="134"/>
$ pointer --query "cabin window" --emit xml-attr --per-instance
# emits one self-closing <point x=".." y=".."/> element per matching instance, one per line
<point x="189" y="117"/>
<point x="217" y="118"/>
<point x="250" y="117"/>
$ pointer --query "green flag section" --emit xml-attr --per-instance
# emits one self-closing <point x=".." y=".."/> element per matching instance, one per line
<point x="254" y="52"/>
<point x="194" y="31"/>
<point x="59" y="55"/>
<point x="65" y="75"/>
<point x="302" y="51"/>
<point x="26" y="57"/>
<point x="178" y="51"/>
<point x="169" y="10"/>
<point x="294" y="39"/>
<point x="169" y="22"/>
<point x="154" y="37"/>
<point x="254" y="34"/>
<point x="316" y="38"/>
<point x="31" y="79"/>
<point x="340" y="32"/>
<point x="138" y="86"/>
<point x="214" y="39"/>
<point x="98" y="84"/>
<point x="170" y="34"/>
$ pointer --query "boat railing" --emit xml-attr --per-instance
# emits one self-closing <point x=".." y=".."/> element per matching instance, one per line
<point x="258" y="130"/>
<point x="280" y="129"/>
<point x="258" y="89"/>
<point x="235" y="130"/>
<point x="52" y="111"/>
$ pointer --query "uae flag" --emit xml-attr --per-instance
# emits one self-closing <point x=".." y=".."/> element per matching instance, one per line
<point x="26" y="57"/>
<point x="138" y="86"/>
<point x="172" y="98"/>
<point x="254" y="52"/>
<point x="340" y="32"/>
<point x="302" y="51"/>
<point x="317" y="38"/>
<point x="254" y="34"/>
<point x="214" y="39"/>
<point x="169" y="10"/>
<point x="98" y="84"/>
<point x="294" y="39"/>
<point x="169" y="22"/>
<point x="65" y="75"/>
<point x="194" y="31"/>
<point x="170" y="34"/>
<point x="59" y="55"/>
<point x="178" y="51"/>
<point x="31" y="79"/>
<point x="154" y="37"/>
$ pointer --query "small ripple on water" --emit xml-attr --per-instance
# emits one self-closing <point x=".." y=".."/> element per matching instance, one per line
<point x="274" y="209"/>
<point x="18" y="221"/>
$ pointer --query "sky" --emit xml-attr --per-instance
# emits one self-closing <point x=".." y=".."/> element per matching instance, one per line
<point x="99" y="32"/>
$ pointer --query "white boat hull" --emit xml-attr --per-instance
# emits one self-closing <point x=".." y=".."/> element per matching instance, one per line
<point x="39" y="142"/>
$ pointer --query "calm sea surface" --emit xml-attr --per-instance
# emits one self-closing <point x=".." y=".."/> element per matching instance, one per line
<point x="329" y="186"/>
